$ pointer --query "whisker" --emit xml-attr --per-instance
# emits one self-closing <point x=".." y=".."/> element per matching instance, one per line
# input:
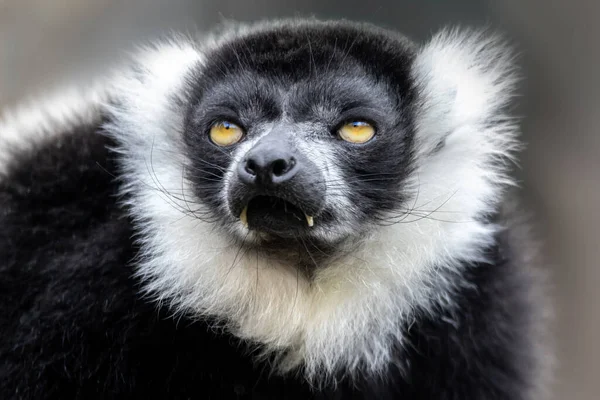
<point x="202" y="160"/>
<point x="237" y="254"/>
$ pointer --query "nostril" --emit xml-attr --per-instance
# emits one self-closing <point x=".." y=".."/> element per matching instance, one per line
<point x="251" y="167"/>
<point x="281" y="166"/>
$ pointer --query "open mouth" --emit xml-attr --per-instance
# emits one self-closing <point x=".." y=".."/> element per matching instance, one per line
<point x="275" y="215"/>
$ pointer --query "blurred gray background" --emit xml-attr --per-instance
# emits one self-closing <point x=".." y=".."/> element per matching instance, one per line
<point x="45" y="44"/>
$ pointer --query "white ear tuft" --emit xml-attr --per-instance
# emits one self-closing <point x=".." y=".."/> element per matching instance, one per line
<point x="464" y="79"/>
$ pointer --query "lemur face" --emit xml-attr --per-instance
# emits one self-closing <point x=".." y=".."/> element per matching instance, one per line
<point x="302" y="133"/>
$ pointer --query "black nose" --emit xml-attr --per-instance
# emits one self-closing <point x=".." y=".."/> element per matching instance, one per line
<point x="270" y="162"/>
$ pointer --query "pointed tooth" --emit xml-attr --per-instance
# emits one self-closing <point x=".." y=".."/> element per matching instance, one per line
<point x="244" y="216"/>
<point x="310" y="220"/>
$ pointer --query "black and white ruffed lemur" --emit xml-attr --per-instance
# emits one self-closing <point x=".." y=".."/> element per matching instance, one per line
<point x="285" y="210"/>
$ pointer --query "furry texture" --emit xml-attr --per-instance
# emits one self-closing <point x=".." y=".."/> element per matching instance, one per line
<point x="431" y="305"/>
<point x="42" y="119"/>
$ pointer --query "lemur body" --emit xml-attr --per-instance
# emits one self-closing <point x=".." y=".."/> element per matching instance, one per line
<point x="295" y="209"/>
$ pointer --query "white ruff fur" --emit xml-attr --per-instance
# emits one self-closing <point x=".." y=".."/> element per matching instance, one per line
<point x="347" y="318"/>
<point x="36" y="121"/>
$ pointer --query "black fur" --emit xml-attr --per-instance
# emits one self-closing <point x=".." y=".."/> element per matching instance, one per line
<point x="74" y="325"/>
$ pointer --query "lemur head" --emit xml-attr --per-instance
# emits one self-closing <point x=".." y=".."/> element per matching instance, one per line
<point x="302" y="135"/>
<point x="303" y="183"/>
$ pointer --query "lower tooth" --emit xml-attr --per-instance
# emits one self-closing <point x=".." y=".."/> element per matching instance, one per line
<point x="244" y="216"/>
<point x="310" y="220"/>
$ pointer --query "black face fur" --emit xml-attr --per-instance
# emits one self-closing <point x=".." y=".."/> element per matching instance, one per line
<point x="279" y="87"/>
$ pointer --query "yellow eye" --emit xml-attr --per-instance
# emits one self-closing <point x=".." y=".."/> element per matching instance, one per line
<point x="357" y="132"/>
<point x="225" y="133"/>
